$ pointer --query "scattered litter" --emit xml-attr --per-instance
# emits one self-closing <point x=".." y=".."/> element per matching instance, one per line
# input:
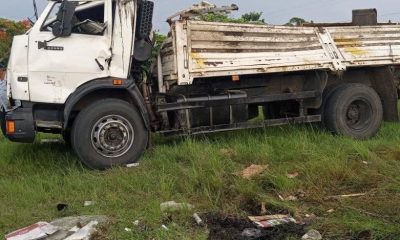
<point x="36" y="231"/>
<point x="197" y="218"/>
<point x="263" y="208"/>
<point x="132" y="165"/>
<point x="292" y="175"/>
<point x="308" y="219"/>
<point x="345" y="196"/>
<point x="312" y="235"/>
<point x="221" y="226"/>
<point x="253" y="170"/>
<point x="70" y="225"/>
<point x="128" y="230"/>
<point x="88" y="203"/>
<point x="252" y="233"/>
<point x="269" y="221"/>
<point x="173" y="206"/>
<point x="136" y="223"/>
<point x="74" y="229"/>
<point x="365" y="162"/>
<point x="331" y="210"/>
<point x="62" y="206"/>
<point x="52" y="140"/>
<point x="281" y="198"/>
<point x="165" y="227"/>
<point x="85" y="232"/>
<point x="291" y="198"/>
<point x="300" y="194"/>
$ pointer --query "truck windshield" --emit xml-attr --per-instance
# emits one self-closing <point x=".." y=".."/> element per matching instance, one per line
<point x="88" y="19"/>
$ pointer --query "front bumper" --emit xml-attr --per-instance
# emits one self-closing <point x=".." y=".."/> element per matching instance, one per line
<point x="23" y="122"/>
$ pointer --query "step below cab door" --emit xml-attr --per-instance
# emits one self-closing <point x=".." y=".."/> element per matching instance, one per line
<point x="58" y="65"/>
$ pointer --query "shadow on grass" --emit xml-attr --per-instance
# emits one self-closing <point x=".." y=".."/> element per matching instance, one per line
<point x="49" y="157"/>
<point x="276" y="131"/>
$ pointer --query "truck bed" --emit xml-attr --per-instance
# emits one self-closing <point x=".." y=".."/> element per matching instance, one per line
<point x="197" y="49"/>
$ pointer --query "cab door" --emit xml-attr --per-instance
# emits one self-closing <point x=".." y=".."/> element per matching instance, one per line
<point x="57" y="66"/>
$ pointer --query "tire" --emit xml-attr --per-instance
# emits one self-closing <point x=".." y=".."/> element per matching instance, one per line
<point x="354" y="110"/>
<point x="109" y="133"/>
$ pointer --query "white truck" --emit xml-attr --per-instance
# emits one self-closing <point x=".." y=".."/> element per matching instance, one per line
<point x="77" y="72"/>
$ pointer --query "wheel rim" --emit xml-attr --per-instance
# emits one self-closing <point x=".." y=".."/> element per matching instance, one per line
<point x="358" y="114"/>
<point x="112" y="136"/>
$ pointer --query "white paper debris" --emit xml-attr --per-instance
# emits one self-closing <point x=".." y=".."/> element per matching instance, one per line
<point x="88" y="203"/>
<point x="133" y="165"/>
<point x="85" y="232"/>
<point x="36" y="231"/>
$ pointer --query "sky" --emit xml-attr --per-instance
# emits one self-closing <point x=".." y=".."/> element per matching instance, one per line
<point x="274" y="12"/>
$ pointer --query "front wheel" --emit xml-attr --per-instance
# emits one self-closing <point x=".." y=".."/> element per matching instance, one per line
<point x="109" y="133"/>
<point x="354" y="110"/>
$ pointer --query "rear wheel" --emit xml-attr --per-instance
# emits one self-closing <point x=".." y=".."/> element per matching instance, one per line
<point x="354" y="110"/>
<point x="109" y="133"/>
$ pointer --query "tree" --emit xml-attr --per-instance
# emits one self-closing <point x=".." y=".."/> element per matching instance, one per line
<point x="296" y="21"/>
<point x="147" y="66"/>
<point x="8" y="29"/>
<point x="252" y="17"/>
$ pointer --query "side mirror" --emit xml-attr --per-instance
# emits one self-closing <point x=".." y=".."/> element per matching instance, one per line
<point x="63" y="25"/>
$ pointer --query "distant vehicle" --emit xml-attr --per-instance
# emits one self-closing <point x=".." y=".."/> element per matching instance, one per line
<point x="77" y="73"/>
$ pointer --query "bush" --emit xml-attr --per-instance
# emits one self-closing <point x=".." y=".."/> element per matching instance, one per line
<point x="8" y="29"/>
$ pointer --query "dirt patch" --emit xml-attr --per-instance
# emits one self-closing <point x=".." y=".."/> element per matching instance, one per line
<point x="231" y="227"/>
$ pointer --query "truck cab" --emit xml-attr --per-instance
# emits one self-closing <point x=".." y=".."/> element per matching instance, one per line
<point x="47" y="68"/>
<point x="74" y="49"/>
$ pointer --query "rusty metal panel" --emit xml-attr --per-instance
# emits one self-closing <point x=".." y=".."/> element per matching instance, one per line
<point x="368" y="45"/>
<point x="208" y="49"/>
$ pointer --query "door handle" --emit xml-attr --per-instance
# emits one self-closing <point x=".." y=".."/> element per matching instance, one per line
<point x="43" y="45"/>
<point x="99" y="64"/>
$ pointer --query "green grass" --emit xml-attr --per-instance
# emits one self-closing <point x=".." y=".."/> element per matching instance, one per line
<point x="201" y="171"/>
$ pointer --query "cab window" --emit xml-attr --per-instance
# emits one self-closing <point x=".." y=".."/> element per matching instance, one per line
<point x="88" y="19"/>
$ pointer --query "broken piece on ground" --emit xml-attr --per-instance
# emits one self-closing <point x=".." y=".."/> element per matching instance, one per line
<point x="312" y="235"/>
<point x="345" y="196"/>
<point x="173" y="206"/>
<point x="253" y="171"/>
<point x="269" y="221"/>
<point x="85" y="232"/>
<point x="133" y="165"/>
<point x="292" y="175"/>
<point x="68" y="228"/>
<point x="197" y="218"/>
<point x="88" y="203"/>
<point x="35" y="231"/>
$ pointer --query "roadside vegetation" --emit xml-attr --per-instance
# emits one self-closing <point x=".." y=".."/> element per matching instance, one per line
<point x="8" y="29"/>
<point x="203" y="171"/>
